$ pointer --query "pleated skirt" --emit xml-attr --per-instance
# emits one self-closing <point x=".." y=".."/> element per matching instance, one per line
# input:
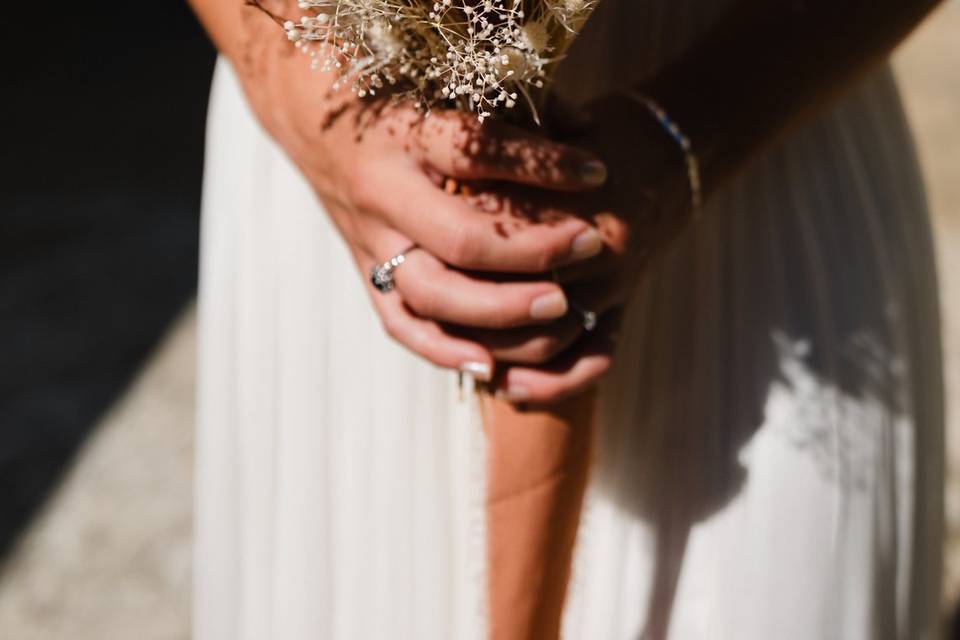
<point x="770" y="451"/>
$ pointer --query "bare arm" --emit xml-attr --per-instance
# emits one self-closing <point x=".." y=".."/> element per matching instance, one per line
<point x="224" y="22"/>
<point x="769" y="64"/>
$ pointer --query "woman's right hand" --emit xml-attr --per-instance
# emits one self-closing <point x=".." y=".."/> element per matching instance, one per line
<point x="379" y="169"/>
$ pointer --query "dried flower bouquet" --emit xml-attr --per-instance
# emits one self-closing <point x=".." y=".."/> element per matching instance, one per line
<point x="482" y="56"/>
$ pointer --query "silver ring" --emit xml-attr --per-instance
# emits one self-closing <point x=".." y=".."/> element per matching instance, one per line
<point x="587" y="318"/>
<point x="381" y="275"/>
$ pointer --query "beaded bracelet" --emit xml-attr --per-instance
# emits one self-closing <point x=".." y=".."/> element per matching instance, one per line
<point x="672" y="128"/>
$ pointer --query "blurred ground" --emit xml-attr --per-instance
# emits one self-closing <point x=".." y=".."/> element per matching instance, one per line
<point x="99" y="194"/>
<point x="100" y="163"/>
<point x="109" y="558"/>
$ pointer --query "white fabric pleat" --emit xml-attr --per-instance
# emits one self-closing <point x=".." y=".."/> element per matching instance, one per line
<point x="339" y="476"/>
<point x="770" y="452"/>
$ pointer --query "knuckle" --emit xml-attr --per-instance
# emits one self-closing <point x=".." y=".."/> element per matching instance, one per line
<point x="503" y="314"/>
<point x="548" y="256"/>
<point x="419" y="297"/>
<point x="565" y="165"/>
<point x="361" y="187"/>
<point x="473" y="146"/>
<point x="502" y="320"/>
<point x="453" y="128"/>
<point x="459" y="160"/>
<point x="391" y="327"/>
<point x="462" y="247"/>
<point x="468" y="127"/>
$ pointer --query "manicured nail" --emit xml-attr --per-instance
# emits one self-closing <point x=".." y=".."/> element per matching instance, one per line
<point x="549" y="307"/>
<point x="586" y="245"/>
<point x="513" y="393"/>
<point x="593" y="173"/>
<point x="479" y="370"/>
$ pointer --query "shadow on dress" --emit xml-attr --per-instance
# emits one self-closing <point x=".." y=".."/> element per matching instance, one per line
<point x="759" y="299"/>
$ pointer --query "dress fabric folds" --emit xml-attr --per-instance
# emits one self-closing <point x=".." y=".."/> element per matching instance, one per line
<point x="769" y="459"/>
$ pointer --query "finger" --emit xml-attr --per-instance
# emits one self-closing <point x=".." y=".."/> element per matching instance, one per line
<point x="530" y="345"/>
<point x="462" y="236"/>
<point x="427" y="339"/>
<point x="456" y="144"/>
<point x="574" y="372"/>
<point x="549" y="386"/>
<point x="616" y="239"/>
<point x="433" y="290"/>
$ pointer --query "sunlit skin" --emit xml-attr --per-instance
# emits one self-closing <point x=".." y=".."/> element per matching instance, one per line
<point x="380" y="172"/>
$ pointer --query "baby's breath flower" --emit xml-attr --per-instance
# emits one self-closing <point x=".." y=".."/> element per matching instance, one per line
<point x="476" y="55"/>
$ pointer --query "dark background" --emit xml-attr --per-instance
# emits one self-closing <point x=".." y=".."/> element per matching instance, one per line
<point x="103" y="108"/>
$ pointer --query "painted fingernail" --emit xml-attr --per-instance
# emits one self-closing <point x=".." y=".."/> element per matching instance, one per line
<point x="586" y="245"/>
<point x="593" y="173"/>
<point x="513" y="393"/>
<point x="479" y="370"/>
<point x="549" y="307"/>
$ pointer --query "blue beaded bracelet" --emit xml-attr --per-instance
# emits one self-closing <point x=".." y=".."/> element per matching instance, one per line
<point x="672" y="128"/>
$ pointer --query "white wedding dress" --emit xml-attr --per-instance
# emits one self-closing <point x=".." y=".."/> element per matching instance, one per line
<point x="770" y="458"/>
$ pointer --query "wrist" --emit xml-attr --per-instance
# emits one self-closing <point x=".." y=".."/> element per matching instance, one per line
<point x="641" y="155"/>
<point x="243" y="32"/>
<point x="677" y="134"/>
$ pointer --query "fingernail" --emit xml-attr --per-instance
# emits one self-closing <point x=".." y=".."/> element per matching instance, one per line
<point x="593" y="173"/>
<point x="586" y="245"/>
<point x="479" y="370"/>
<point x="549" y="306"/>
<point x="513" y="393"/>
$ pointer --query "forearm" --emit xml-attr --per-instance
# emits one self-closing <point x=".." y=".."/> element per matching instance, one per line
<point x="224" y="22"/>
<point x="768" y="64"/>
<point x="243" y="33"/>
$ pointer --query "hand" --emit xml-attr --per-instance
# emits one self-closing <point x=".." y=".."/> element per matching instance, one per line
<point x="643" y="205"/>
<point x="379" y="169"/>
